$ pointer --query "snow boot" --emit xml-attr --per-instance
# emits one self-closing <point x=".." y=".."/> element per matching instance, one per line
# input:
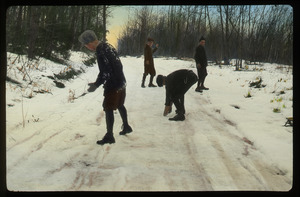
<point x="198" y="89"/>
<point x="203" y="88"/>
<point x="151" y="82"/>
<point x="126" y="129"/>
<point x="178" y="117"/>
<point x="152" y="85"/>
<point x="107" y="139"/>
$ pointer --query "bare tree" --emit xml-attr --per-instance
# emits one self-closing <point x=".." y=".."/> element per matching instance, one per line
<point x="248" y="32"/>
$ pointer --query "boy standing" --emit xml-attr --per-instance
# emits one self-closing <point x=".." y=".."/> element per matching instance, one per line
<point x="201" y="63"/>
<point x="148" y="62"/>
<point x="112" y="77"/>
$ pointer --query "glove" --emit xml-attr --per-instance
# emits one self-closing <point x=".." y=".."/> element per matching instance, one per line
<point x="92" y="87"/>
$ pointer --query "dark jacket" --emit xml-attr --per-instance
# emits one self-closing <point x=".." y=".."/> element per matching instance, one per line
<point x="149" y="68"/>
<point x="178" y="83"/>
<point x="111" y="69"/>
<point x="200" y="56"/>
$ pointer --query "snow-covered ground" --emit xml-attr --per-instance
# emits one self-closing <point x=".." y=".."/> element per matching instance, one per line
<point x="227" y="142"/>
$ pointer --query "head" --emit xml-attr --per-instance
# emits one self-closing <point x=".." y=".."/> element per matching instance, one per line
<point x="160" y="80"/>
<point x="150" y="42"/>
<point x="89" y="39"/>
<point x="202" y="41"/>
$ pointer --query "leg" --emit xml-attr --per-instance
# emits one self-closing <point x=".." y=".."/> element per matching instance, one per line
<point x="151" y="81"/>
<point x="110" y="119"/>
<point x="123" y="114"/>
<point x="179" y="104"/>
<point x="199" y="77"/>
<point x="180" y="110"/>
<point x="202" y="81"/>
<point x="143" y="80"/>
<point x="203" y="74"/>
<point x="181" y="99"/>
<point x="199" y="80"/>
<point x="109" y="137"/>
<point x="126" y="127"/>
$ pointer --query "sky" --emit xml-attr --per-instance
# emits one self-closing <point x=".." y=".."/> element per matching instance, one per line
<point x="116" y="22"/>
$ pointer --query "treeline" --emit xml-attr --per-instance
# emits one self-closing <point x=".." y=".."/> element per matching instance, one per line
<point x="251" y="32"/>
<point x="51" y="31"/>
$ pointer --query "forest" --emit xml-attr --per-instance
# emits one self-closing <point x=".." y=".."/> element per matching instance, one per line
<point x="256" y="33"/>
<point x="249" y="32"/>
<point x="52" y="31"/>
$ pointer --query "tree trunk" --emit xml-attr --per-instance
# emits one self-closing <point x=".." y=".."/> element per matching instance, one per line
<point x="33" y="31"/>
<point x="104" y="23"/>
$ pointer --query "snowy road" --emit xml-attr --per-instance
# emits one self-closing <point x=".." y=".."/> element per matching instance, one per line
<point x="206" y="152"/>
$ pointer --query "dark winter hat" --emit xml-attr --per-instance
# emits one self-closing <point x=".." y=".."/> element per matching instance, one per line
<point x="159" y="80"/>
<point x="150" y="39"/>
<point x="87" y="37"/>
<point x="202" y="38"/>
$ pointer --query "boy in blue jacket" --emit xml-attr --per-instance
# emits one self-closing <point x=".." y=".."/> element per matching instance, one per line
<point x="112" y="77"/>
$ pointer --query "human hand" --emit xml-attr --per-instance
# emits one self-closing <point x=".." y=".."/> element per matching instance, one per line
<point x="92" y="87"/>
<point x="156" y="45"/>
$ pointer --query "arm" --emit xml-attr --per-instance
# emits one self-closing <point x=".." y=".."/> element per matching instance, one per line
<point x="155" y="49"/>
<point x="168" y="98"/>
<point x="196" y="57"/>
<point x="105" y="70"/>
<point x="101" y="79"/>
<point x="168" y="104"/>
<point x="147" y="55"/>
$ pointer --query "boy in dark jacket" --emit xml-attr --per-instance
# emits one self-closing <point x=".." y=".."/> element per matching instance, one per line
<point x="177" y="84"/>
<point x="201" y="63"/>
<point x="112" y="77"/>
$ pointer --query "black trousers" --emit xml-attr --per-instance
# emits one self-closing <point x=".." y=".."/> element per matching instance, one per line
<point x="179" y="104"/>
<point x="202" y="73"/>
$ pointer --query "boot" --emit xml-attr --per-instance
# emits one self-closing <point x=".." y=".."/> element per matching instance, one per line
<point x="178" y="117"/>
<point x="198" y="89"/>
<point x="203" y="88"/>
<point x="126" y="129"/>
<point x="107" y="139"/>
<point x="151" y="82"/>
<point x="143" y="81"/>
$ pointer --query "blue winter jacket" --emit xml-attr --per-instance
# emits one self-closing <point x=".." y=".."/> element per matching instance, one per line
<point x="111" y="69"/>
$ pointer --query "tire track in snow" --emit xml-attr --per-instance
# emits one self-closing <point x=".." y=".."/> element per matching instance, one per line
<point x="24" y="140"/>
<point x="192" y="151"/>
<point x="32" y="151"/>
<point x="226" y="163"/>
<point x="247" y="173"/>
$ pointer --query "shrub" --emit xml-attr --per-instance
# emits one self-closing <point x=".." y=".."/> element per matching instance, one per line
<point x="248" y="95"/>
<point x="276" y="110"/>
